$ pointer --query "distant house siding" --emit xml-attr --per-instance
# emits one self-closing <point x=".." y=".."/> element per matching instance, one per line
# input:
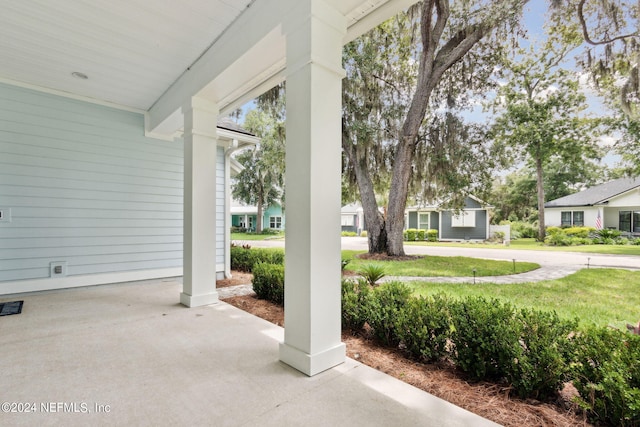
<point x="85" y="186"/>
<point x="479" y="232"/>
<point x="435" y="221"/>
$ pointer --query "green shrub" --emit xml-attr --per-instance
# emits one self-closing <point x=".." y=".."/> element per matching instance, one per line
<point x="348" y="234"/>
<point x="244" y="259"/>
<point x="385" y="304"/>
<point x="423" y="325"/>
<point x="355" y="304"/>
<point x="606" y="372"/>
<point x="344" y="262"/>
<point x="271" y="231"/>
<point x="553" y="230"/>
<point x="606" y="233"/>
<point x="486" y="337"/>
<point x="372" y="273"/>
<point x="268" y="282"/>
<point x="432" y="235"/>
<point x="520" y="229"/>
<point x="582" y="232"/>
<point x="421" y="234"/>
<point x="542" y="368"/>
<point x="411" y="234"/>
<point x="557" y="239"/>
<point x="363" y="233"/>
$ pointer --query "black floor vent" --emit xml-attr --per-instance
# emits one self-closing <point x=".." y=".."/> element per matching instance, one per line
<point x="9" y="308"/>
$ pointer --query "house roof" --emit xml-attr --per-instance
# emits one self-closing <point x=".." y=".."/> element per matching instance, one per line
<point x="597" y="195"/>
<point x="228" y="124"/>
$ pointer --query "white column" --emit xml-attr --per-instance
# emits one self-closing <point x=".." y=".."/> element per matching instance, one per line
<point x="200" y="150"/>
<point x="314" y="33"/>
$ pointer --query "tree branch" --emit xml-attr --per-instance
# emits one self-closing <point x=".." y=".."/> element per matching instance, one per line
<point x="585" y="30"/>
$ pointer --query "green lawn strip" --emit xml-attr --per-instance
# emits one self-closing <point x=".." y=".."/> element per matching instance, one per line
<point x="436" y="266"/>
<point x="606" y="297"/>
<point x="532" y="244"/>
<point x="252" y="236"/>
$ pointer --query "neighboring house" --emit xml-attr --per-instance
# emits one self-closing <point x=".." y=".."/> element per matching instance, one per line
<point x="471" y="223"/>
<point x="352" y="218"/>
<point x="614" y="205"/>
<point x="245" y="216"/>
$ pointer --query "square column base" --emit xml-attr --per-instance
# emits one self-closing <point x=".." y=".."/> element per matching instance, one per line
<point x="198" y="300"/>
<point x="312" y="364"/>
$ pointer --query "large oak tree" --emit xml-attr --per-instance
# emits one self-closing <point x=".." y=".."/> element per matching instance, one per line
<point x="403" y="98"/>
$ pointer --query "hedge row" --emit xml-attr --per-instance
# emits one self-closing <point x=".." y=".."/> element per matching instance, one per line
<point x="534" y="352"/>
<point x="244" y="259"/>
<point x="413" y="234"/>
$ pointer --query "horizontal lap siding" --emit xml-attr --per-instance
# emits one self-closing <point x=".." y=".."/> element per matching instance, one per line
<point x="84" y="186"/>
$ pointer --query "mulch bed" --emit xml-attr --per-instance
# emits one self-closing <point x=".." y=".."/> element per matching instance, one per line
<point x="488" y="400"/>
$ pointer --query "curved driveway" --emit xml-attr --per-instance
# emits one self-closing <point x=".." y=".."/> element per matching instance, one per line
<point x="553" y="264"/>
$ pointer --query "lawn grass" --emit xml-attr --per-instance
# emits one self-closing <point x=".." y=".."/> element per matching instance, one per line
<point x="532" y="244"/>
<point x="605" y="297"/>
<point x="436" y="266"/>
<point x="254" y="236"/>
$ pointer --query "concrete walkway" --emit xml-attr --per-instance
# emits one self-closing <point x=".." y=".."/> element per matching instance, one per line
<point x="543" y="273"/>
<point x="129" y="354"/>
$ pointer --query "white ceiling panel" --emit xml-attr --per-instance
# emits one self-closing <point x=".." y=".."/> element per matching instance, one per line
<point x="131" y="50"/>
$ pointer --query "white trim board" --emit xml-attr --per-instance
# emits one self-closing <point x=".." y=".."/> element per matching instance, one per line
<point x="35" y="285"/>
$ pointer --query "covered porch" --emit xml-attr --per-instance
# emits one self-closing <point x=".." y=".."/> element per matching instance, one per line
<point x="129" y="354"/>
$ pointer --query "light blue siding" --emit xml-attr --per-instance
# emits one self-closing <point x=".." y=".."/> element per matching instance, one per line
<point x="87" y="187"/>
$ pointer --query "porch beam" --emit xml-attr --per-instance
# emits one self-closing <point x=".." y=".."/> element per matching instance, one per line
<point x="312" y="342"/>
<point x="199" y="253"/>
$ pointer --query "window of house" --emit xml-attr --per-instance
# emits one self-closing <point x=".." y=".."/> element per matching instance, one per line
<point x="624" y="221"/>
<point x="423" y="220"/>
<point x="275" y="222"/>
<point x="636" y="222"/>
<point x="572" y="218"/>
<point x="347" y="220"/>
<point x="464" y="219"/>
<point x="578" y="218"/>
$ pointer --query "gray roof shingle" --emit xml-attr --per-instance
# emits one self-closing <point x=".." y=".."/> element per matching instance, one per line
<point x="596" y="195"/>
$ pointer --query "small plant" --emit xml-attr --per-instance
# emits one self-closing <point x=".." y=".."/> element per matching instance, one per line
<point x="344" y="262"/>
<point x="383" y="310"/>
<point x="606" y="373"/>
<point x="268" y="282"/>
<point x="355" y="303"/>
<point x="432" y="235"/>
<point x="372" y="273"/>
<point x="411" y="234"/>
<point x="424" y="326"/>
<point x="348" y="234"/>
<point x="363" y="233"/>
<point x="421" y="235"/>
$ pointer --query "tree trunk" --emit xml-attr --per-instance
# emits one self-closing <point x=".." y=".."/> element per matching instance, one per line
<point x="373" y="219"/>
<point x="540" y="185"/>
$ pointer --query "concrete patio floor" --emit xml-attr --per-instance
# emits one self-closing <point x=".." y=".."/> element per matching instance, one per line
<point x="129" y="354"/>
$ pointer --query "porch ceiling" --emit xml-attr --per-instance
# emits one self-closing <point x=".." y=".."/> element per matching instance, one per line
<point x="134" y="51"/>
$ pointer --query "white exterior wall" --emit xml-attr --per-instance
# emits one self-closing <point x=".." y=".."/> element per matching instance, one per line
<point x="632" y="198"/>
<point x="553" y="216"/>
<point x="85" y="187"/>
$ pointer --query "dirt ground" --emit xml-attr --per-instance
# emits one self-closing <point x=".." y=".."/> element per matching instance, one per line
<point x="486" y="399"/>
